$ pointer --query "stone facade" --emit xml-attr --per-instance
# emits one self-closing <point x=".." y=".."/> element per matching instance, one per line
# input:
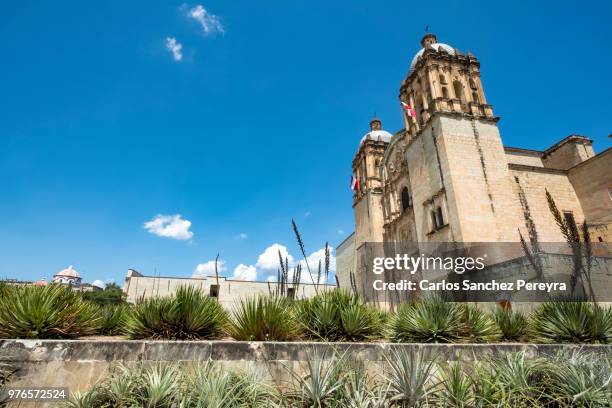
<point x="228" y="291"/>
<point x="447" y="177"/>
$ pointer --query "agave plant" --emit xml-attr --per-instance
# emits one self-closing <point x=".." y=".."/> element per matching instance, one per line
<point x="513" y="325"/>
<point x="361" y="392"/>
<point x="337" y="315"/>
<point x="189" y="314"/>
<point x="456" y="386"/>
<point x="563" y="322"/>
<point x="209" y="386"/>
<point x="582" y="380"/>
<point x="521" y="378"/>
<point x="410" y="377"/>
<point x="263" y="318"/>
<point x="42" y="312"/>
<point x="160" y="386"/>
<point x="114" y="318"/>
<point x="480" y="327"/>
<point x="429" y="321"/>
<point x="601" y="325"/>
<point x="323" y="383"/>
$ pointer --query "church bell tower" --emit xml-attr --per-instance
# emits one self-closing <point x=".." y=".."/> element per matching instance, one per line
<point x="455" y="155"/>
<point x="367" y="199"/>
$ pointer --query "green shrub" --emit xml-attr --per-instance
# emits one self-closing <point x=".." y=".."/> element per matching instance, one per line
<point x="46" y="312"/>
<point x="187" y="315"/>
<point x="114" y="319"/>
<point x="337" y="315"/>
<point x="570" y="322"/>
<point x="513" y="325"/>
<point x="263" y="318"/>
<point x="429" y="321"/>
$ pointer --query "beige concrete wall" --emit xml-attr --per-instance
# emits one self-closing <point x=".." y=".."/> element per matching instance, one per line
<point x="345" y="261"/>
<point x="230" y="291"/>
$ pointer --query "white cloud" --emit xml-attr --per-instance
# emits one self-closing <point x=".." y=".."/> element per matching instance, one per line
<point x="340" y="232"/>
<point x="208" y="269"/>
<point x="242" y="236"/>
<point x="209" y="22"/>
<point x="170" y="226"/>
<point x="313" y="262"/>
<point x="268" y="262"/>
<point x="307" y="214"/>
<point x="175" y="48"/>
<point x="246" y="273"/>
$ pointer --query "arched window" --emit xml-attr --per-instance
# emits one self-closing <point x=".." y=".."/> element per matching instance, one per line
<point x="444" y="92"/>
<point x="473" y="84"/>
<point x="458" y="88"/>
<point x="405" y="199"/>
<point x="475" y="97"/>
<point x="442" y="79"/>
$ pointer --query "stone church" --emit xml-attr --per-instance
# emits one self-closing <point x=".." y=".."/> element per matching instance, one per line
<point x="447" y="177"/>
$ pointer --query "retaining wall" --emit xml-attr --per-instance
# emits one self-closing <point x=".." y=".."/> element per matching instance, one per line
<point x="78" y="364"/>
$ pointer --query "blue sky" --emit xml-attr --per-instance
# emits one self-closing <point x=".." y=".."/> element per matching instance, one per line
<point x="102" y="128"/>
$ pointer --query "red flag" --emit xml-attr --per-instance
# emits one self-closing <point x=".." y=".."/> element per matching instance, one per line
<point x="409" y="111"/>
<point x="354" y="183"/>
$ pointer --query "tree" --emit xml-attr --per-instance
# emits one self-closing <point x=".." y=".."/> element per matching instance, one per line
<point x="112" y="295"/>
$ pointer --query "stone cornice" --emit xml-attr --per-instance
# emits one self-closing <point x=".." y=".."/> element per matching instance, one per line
<point x="535" y="169"/>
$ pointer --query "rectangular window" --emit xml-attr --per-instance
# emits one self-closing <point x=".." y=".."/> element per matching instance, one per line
<point x="214" y="291"/>
<point x="439" y="217"/>
<point x="291" y="293"/>
<point x="569" y="218"/>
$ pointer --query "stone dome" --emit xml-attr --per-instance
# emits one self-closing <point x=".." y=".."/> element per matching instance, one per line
<point x="377" y="135"/>
<point x="99" y="284"/>
<point x="430" y="41"/>
<point x="69" y="272"/>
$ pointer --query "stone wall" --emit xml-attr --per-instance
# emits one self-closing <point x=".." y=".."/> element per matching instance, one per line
<point x="592" y="181"/>
<point x="534" y="182"/>
<point x="78" y="364"/>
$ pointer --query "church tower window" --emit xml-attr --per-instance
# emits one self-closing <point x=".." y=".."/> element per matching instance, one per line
<point x="437" y="219"/>
<point x="475" y="98"/>
<point x="473" y="84"/>
<point x="444" y="92"/>
<point x="405" y="199"/>
<point x="458" y="88"/>
<point x="442" y="79"/>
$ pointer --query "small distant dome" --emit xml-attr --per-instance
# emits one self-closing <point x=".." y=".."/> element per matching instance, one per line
<point x="69" y="272"/>
<point x="430" y="40"/>
<point x="68" y="276"/>
<point x="99" y="284"/>
<point x="376" y="133"/>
